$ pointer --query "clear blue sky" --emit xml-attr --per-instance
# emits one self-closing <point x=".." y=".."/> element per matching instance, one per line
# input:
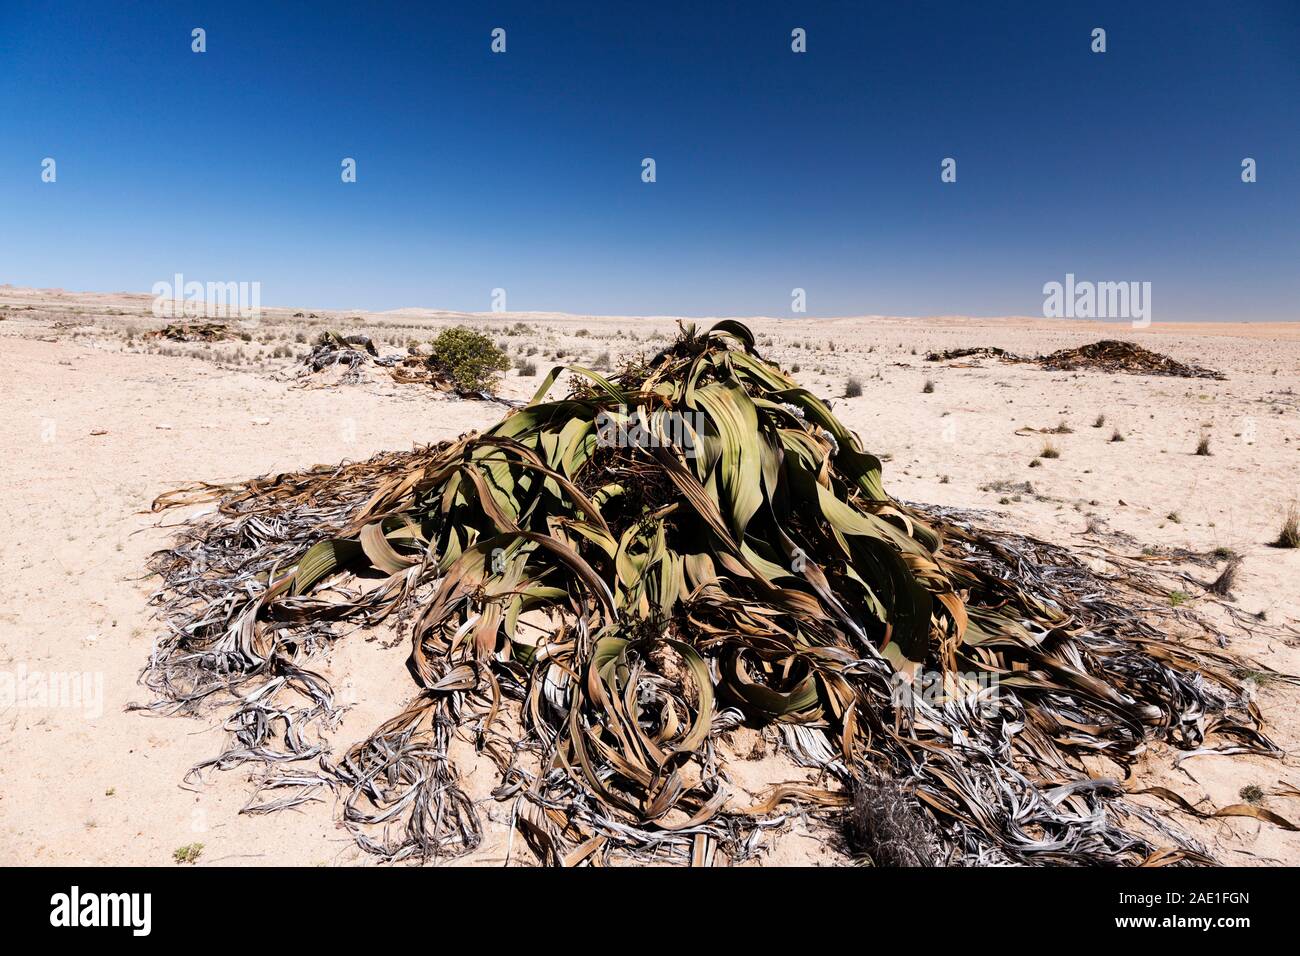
<point x="775" y="170"/>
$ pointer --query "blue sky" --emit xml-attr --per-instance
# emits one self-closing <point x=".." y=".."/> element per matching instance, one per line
<point x="775" y="170"/>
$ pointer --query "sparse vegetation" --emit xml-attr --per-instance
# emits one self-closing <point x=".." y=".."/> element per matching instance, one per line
<point x="1203" y="446"/>
<point x="1117" y="435"/>
<point x="928" y="387"/>
<point x="1257" y="677"/>
<point x="1289" y="536"/>
<point x="1099" y="421"/>
<point x="1003" y="484"/>
<point x="852" y="388"/>
<point x="189" y="853"/>
<point x="1049" y="451"/>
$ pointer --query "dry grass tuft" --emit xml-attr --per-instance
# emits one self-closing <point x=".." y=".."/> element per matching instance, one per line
<point x="1289" y="536"/>
<point x="1223" y="584"/>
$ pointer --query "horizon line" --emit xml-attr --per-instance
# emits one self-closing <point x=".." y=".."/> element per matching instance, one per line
<point x="491" y="315"/>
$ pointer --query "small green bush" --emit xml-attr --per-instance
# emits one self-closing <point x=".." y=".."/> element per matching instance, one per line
<point x="189" y="853"/>
<point x="469" y="358"/>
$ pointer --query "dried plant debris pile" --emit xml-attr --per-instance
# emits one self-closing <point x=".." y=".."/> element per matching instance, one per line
<point x="346" y="354"/>
<point x="1112" y="355"/>
<point x="420" y="366"/>
<point x="1108" y="355"/>
<point x="332" y="349"/>
<point x="602" y="588"/>
<point x="193" y="332"/>
<point x="981" y="351"/>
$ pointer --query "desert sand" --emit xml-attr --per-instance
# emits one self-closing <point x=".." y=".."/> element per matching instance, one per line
<point x="100" y="420"/>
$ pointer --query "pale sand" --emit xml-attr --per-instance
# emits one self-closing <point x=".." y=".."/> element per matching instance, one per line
<point x="105" y="789"/>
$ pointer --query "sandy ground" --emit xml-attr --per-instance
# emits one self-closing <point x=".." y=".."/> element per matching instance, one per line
<point x="98" y="421"/>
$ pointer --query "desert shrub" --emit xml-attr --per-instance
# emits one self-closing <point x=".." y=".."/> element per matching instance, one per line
<point x="469" y="358"/>
<point x="189" y="853"/>
<point x="852" y="388"/>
